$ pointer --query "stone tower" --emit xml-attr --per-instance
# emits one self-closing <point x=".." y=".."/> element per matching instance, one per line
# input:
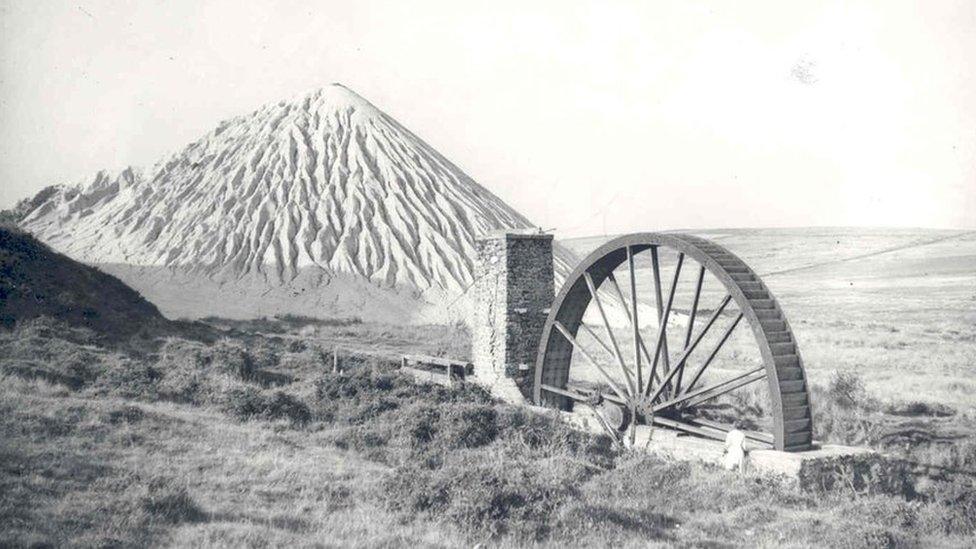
<point x="513" y="293"/>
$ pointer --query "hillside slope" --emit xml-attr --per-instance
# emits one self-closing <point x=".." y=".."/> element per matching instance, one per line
<point x="35" y="282"/>
<point x="321" y="205"/>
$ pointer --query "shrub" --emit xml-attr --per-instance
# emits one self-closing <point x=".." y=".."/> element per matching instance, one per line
<point x="952" y="509"/>
<point x="125" y="413"/>
<point x="169" y="503"/>
<point x="846" y="389"/>
<point x="233" y="359"/>
<point x="485" y="493"/>
<point x="492" y="471"/>
<point x="918" y="408"/>
<point x="419" y="424"/>
<point x="128" y="378"/>
<point x="246" y="403"/>
<point x="72" y="376"/>
<point x="185" y="385"/>
<point x="358" y="396"/>
<point x="546" y="435"/>
<point x="195" y="373"/>
<point x="281" y="405"/>
<point x="372" y="441"/>
<point x="467" y="426"/>
<point x="309" y="359"/>
<point x="48" y="350"/>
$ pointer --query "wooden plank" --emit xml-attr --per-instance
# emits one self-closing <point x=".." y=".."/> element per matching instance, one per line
<point x="428" y="376"/>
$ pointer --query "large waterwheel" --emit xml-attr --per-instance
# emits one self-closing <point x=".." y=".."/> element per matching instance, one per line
<point x="675" y="371"/>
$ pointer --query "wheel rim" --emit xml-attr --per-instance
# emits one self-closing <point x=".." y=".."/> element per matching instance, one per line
<point x="665" y="379"/>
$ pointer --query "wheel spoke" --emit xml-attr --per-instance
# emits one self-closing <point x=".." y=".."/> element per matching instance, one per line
<point x="569" y="337"/>
<point x="757" y="436"/>
<point x="580" y="396"/>
<point x="602" y="343"/>
<point x="679" y="365"/>
<point x="656" y="268"/>
<point x="693" y="429"/>
<point x="639" y="340"/>
<point x="706" y="390"/>
<point x="731" y="386"/>
<point x="662" y="337"/>
<point x="691" y="326"/>
<point x="606" y="325"/>
<point x="587" y="400"/>
<point x="638" y="343"/>
<point x="708" y="429"/>
<point x="715" y="350"/>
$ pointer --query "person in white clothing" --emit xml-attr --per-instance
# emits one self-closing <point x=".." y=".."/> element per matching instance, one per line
<point x="735" y="451"/>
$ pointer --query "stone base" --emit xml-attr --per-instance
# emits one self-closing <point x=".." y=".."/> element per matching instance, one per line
<point x="819" y="469"/>
<point x="825" y="467"/>
<point x="501" y="387"/>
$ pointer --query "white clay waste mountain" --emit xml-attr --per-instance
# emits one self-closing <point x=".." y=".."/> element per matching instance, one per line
<point x="321" y="206"/>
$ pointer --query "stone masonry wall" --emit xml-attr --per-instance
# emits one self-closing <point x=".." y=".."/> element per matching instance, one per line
<point x="488" y="335"/>
<point x="513" y="293"/>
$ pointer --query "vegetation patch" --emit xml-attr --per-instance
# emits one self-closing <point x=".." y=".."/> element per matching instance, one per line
<point x="171" y="503"/>
<point x="436" y="465"/>
<point x="247" y="403"/>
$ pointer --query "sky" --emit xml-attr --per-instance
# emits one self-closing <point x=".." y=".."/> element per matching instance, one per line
<point x="587" y="117"/>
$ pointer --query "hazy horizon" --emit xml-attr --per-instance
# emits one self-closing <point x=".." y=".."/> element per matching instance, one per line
<point x="589" y="118"/>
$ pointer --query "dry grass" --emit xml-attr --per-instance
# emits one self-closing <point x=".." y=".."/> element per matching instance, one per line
<point x="368" y="458"/>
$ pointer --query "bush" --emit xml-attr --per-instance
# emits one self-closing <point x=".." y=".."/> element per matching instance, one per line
<point x="306" y="359"/>
<point x="847" y="390"/>
<point x="51" y="351"/>
<point x="186" y="385"/>
<point x="169" y="503"/>
<point x="485" y="493"/>
<point x="233" y="359"/>
<point x="72" y="376"/>
<point x="419" y="424"/>
<point x="358" y="396"/>
<point x="194" y="373"/>
<point x="247" y="403"/>
<point x="952" y="509"/>
<point x="128" y="378"/>
<point x="125" y="413"/>
<point x="492" y="471"/>
<point x="364" y="394"/>
<point x="281" y="405"/>
<point x="919" y="408"/>
<point x="467" y="426"/>
<point x="432" y="430"/>
<point x="547" y="435"/>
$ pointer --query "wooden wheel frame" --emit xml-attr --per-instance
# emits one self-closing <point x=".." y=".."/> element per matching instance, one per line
<point x="655" y="388"/>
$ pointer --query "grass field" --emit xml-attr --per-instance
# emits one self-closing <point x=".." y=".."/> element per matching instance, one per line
<point x="237" y="433"/>
<point x="228" y="438"/>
